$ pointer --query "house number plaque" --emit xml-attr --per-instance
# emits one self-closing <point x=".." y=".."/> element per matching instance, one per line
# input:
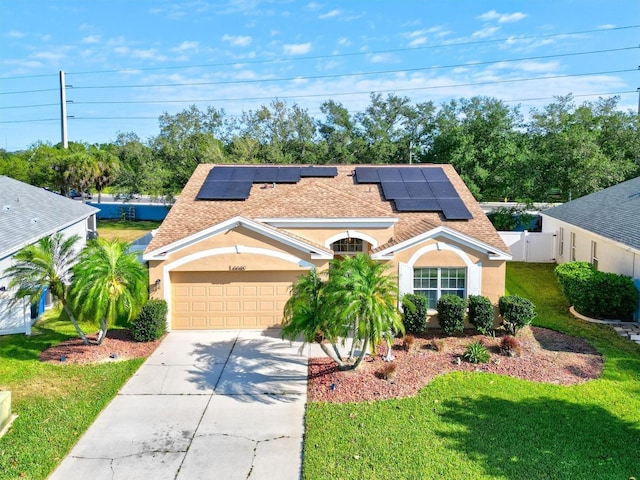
<point x="237" y="268"/>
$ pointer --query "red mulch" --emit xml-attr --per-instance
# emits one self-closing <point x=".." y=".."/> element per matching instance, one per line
<point x="118" y="345"/>
<point x="547" y="356"/>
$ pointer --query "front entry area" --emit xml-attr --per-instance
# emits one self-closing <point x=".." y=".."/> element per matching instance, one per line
<point x="229" y="300"/>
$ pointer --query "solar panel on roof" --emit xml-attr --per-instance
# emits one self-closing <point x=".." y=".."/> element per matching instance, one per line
<point x="443" y="189"/>
<point x="266" y="175"/>
<point x="243" y="174"/>
<point x="367" y="175"/>
<point x="318" y="172"/>
<point x="237" y="190"/>
<point x="389" y="174"/>
<point x="417" y="205"/>
<point x="212" y="190"/>
<point x="393" y="190"/>
<point x="288" y="175"/>
<point x="434" y="174"/>
<point x="220" y="173"/>
<point x="419" y="190"/>
<point x="454" y="209"/>
<point x="411" y="174"/>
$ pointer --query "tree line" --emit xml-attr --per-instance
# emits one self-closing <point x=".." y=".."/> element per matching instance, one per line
<point x="561" y="151"/>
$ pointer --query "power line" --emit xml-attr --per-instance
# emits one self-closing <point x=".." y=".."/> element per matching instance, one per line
<point x="29" y="121"/>
<point x="31" y="106"/>
<point x="357" y="74"/>
<point x="350" y="54"/>
<point x="329" y="95"/>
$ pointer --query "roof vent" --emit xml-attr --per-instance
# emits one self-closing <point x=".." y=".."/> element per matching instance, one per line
<point x="6" y="208"/>
<point x="34" y="220"/>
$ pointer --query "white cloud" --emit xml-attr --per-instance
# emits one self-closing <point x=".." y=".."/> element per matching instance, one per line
<point x="92" y="39"/>
<point x="49" y="56"/>
<point x="380" y="58"/>
<point x="122" y="50"/>
<point x="485" y="32"/>
<point x="14" y="34"/>
<point x="314" y="6"/>
<point x="297" y="48"/>
<point x="344" y="41"/>
<point x="502" y="17"/>
<point x="237" y="41"/>
<point x="606" y="26"/>
<point x="186" y="46"/>
<point x="418" y="41"/>
<point x="332" y="14"/>
<point x="148" y="54"/>
<point x="45" y="38"/>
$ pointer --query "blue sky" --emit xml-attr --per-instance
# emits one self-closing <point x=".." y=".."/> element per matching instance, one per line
<point x="130" y="61"/>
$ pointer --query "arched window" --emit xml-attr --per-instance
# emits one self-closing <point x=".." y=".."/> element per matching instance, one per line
<point x="348" y="246"/>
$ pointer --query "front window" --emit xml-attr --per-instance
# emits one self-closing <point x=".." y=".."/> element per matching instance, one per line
<point x="433" y="282"/>
<point x="346" y="246"/>
<point x="594" y="254"/>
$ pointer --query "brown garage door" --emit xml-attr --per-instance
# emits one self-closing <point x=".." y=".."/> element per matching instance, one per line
<point x="219" y="300"/>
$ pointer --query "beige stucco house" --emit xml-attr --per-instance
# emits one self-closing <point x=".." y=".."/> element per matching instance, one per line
<point x="239" y="236"/>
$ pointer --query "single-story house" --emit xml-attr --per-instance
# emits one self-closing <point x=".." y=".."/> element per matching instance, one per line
<point x="602" y="228"/>
<point x="239" y="236"/>
<point x="27" y="214"/>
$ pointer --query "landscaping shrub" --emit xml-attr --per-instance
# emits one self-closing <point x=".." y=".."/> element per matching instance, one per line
<point x="408" y="342"/>
<point x="388" y="371"/>
<point x="597" y="294"/>
<point x="451" y="311"/>
<point x="517" y="312"/>
<point x="476" y="352"/>
<point x="510" y="346"/>
<point x="439" y="344"/>
<point x="481" y="313"/>
<point x="414" y="313"/>
<point x="151" y="324"/>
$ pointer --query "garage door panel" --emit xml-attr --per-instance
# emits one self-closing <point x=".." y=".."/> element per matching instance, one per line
<point x="229" y="300"/>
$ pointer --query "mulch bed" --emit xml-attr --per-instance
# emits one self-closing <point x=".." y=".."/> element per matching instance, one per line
<point x="118" y="345"/>
<point x="547" y="356"/>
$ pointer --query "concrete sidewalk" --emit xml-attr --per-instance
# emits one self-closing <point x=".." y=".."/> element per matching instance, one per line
<point x="206" y="404"/>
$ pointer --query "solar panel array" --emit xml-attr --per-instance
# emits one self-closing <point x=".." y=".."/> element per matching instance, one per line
<point x="232" y="182"/>
<point x="417" y="189"/>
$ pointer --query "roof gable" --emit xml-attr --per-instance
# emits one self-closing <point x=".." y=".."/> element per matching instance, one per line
<point x="28" y="213"/>
<point x="612" y="213"/>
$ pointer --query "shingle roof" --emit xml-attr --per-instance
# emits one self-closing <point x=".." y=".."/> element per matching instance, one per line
<point x="333" y="197"/>
<point x="612" y="213"/>
<point x="28" y="213"/>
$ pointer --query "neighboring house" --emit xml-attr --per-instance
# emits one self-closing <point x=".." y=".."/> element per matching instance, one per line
<point x="239" y="236"/>
<point x="602" y="228"/>
<point x="27" y="214"/>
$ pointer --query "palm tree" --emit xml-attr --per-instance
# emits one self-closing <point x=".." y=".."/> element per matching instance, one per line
<point x="361" y="293"/>
<point x="109" y="284"/>
<point x="46" y="265"/>
<point x="304" y="315"/>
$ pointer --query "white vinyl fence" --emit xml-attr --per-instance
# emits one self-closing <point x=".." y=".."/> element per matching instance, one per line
<point x="535" y="247"/>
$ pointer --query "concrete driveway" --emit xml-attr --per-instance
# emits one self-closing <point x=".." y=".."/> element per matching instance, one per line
<point x="205" y="404"/>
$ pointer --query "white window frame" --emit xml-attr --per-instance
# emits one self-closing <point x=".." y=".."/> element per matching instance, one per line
<point x="573" y="246"/>
<point x="594" y="254"/>
<point x="440" y="288"/>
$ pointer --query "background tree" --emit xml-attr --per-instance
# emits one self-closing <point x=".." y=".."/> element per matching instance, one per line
<point x="46" y="265"/>
<point x="109" y="284"/>
<point x="107" y="166"/>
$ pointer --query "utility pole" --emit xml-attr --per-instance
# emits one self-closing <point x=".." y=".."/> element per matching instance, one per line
<point x="63" y="111"/>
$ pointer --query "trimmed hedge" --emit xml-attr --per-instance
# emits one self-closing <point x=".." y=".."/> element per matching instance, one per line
<point x="451" y="311"/>
<point x="517" y="312"/>
<point x="151" y="324"/>
<point x="597" y="294"/>
<point x="481" y="313"/>
<point x="414" y="313"/>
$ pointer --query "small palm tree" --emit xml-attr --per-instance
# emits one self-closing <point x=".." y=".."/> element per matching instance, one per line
<point x="109" y="284"/>
<point x="361" y="293"/>
<point x="46" y="265"/>
<point x="304" y="315"/>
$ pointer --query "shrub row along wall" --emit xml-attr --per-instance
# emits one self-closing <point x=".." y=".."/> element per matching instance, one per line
<point x="597" y="294"/>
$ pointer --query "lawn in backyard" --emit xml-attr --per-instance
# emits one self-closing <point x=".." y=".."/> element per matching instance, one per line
<point x="125" y="230"/>
<point x="476" y="425"/>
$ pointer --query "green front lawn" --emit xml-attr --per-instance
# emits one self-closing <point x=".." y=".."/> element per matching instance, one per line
<point x="478" y="425"/>
<point x="55" y="403"/>
<point x="125" y="230"/>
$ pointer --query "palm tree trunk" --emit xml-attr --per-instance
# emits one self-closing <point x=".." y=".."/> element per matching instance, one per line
<point x="74" y="322"/>
<point x="332" y="355"/>
<point x="103" y="331"/>
<point x="363" y="352"/>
